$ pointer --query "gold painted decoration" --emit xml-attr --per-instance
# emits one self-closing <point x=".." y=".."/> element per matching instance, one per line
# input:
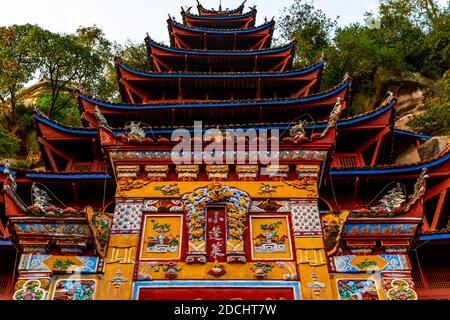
<point x="217" y="172"/>
<point x="146" y="189"/>
<point x="187" y="172"/>
<point x="157" y="172"/>
<point x="100" y="224"/>
<point x="129" y="184"/>
<point x="278" y="173"/>
<point x="127" y="172"/>
<point x="247" y="172"/>
<point x="332" y="226"/>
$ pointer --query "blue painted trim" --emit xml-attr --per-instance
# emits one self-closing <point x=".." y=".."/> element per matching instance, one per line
<point x="435" y="237"/>
<point x="295" y="285"/>
<point x="245" y="15"/>
<point x="376" y="171"/>
<point x="5" y="243"/>
<point x="88" y="132"/>
<point x="412" y="134"/>
<point x="139" y="107"/>
<point x="219" y="31"/>
<point x="67" y="176"/>
<point x="366" y="117"/>
<point x="226" y="75"/>
<point x="221" y="53"/>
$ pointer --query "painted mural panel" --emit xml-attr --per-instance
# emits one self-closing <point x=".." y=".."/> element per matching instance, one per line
<point x="382" y="262"/>
<point x="270" y="238"/>
<point x="61" y="264"/>
<point x="162" y="237"/>
<point x="52" y="229"/>
<point x="78" y="289"/>
<point x="357" y="289"/>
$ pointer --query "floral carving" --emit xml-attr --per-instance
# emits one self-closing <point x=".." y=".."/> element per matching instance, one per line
<point x="261" y="270"/>
<point x="267" y="189"/>
<point x="169" y="190"/>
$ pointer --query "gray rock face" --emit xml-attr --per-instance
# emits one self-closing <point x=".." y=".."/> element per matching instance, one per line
<point x="429" y="149"/>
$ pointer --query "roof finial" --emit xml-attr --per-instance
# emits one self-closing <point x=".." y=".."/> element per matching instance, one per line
<point x="220" y="5"/>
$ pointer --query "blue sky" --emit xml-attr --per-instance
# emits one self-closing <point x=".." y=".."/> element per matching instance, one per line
<point x="131" y="19"/>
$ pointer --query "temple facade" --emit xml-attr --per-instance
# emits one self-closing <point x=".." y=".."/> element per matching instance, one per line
<point x="226" y="174"/>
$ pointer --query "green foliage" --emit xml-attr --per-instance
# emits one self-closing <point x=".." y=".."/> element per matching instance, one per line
<point x="134" y="55"/>
<point x="9" y="144"/>
<point x="66" y="63"/>
<point x="436" y="119"/>
<point x="310" y="28"/>
<point x="17" y="65"/>
<point x="413" y="36"/>
<point x="68" y="114"/>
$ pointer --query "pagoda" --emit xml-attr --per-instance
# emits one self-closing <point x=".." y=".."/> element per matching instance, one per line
<point x="225" y="173"/>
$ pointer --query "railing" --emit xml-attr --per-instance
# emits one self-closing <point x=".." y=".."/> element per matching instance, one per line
<point x="85" y="167"/>
<point x="347" y="160"/>
<point x="82" y="167"/>
<point x="432" y="284"/>
<point x="5" y="288"/>
<point x="439" y="279"/>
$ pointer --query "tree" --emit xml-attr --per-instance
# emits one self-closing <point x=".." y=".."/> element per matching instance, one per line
<point x="311" y="29"/>
<point x="65" y="62"/>
<point x="17" y="65"/>
<point x="134" y="55"/>
<point x="105" y="85"/>
<point x="413" y="36"/>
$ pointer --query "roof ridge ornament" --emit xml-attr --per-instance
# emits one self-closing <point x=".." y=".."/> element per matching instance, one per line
<point x="7" y="172"/>
<point x="390" y="96"/>
<point x="347" y="77"/>
<point x="101" y="120"/>
<point x="334" y="117"/>
<point x="43" y="205"/>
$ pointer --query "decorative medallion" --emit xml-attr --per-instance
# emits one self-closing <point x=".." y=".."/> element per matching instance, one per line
<point x="401" y="290"/>
<point x="31" y="290"/>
